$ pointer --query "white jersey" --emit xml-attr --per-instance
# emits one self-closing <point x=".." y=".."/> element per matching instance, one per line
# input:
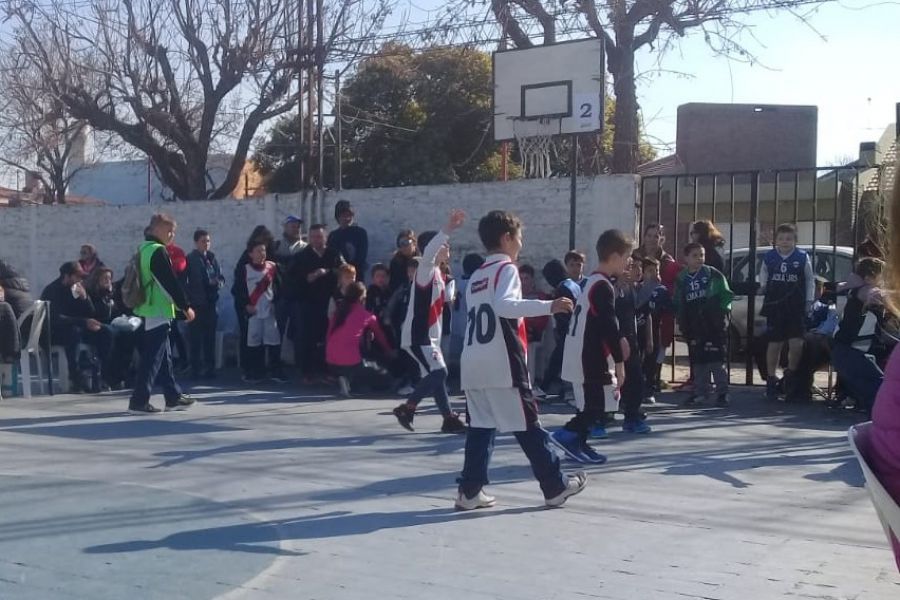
<point x="423" y="323"/>
<point x="592" y="346"/>
<point x="495" y="343"/>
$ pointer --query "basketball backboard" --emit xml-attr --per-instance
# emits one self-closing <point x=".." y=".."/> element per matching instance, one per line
<point x="557" y="86"/>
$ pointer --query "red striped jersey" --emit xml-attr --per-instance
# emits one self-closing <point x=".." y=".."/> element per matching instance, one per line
<point x="495" y="342"/>
<point x="423" y="323"/>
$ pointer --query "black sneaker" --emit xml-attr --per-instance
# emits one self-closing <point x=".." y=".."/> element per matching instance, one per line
<point x="452" y="424"/>
<point x="722" y="400"/>
<point x="183" y="403"/>
<point x="147" y="409"/>
<point x="772" y="389"/>
<point x="405" y="416"/>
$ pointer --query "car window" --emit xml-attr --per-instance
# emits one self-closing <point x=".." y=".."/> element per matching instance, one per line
<point x="825" y="265"/>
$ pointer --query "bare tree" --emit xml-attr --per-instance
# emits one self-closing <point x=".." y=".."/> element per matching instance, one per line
<point x="180" y="79"/>
<point x="626" y="26"/>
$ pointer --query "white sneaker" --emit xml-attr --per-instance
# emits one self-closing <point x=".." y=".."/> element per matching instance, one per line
<point x="538" y="392"/>
<point x="406" y="390"/>
<point x="481" y="500"/>
<point x="344" y="384"/>
<point x="577" y="482"/>
<point x="650" y="400"/>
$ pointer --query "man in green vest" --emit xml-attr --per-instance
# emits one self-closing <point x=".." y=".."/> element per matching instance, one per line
<point x="163" y="296"/>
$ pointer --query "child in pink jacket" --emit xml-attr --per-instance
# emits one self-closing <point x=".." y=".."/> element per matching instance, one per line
<point x="347" y="329"/>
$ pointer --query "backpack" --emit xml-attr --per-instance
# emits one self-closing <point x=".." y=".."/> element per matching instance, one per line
<point x="133" y="293"/>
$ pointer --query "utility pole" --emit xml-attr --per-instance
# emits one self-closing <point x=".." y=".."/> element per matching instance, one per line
<point x="301" y="56"/>
<point x="310" y="88"/>
<point x="338" y="175"/>
<point x="320" y="91"/>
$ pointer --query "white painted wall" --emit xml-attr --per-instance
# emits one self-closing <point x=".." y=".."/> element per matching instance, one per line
<point x="37" y="239"/>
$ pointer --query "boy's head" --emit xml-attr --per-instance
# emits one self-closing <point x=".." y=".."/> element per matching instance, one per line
<point x="613" y="250"/>
<point x="346" y="275"/>
<point x="650" y="269"/>
<point x="870" y="270"/>
<point x="257" y="253"/>
<point x="202" y="240"/>
<point x="471" y="263"/>
<point x="443" y="254"/>
<point x="526" y="275"/>
<point x="381" y="276"/>
<point x="694" y="256"/>
<point x="574" y="261"/>
<point x="786" y="238"/>
<point x="343" y="213"/>
<point x="501" y="231"/>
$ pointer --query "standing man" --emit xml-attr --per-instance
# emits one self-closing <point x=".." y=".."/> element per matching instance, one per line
<point x="162" y="296"/>
<point x="349" y="239"/>
<point x="204" y="279"/>
<point x="287" y="305"/>
<point x="313" y="272"/>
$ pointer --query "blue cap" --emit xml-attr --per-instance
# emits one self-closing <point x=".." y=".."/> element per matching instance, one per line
<point x="292" y="219"/>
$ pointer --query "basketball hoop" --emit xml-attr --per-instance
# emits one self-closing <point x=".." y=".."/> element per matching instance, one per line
<point x="534" y="138"/>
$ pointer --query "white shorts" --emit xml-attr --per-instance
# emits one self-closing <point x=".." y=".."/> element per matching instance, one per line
<point x="610" y="397"/>
<point x="429" y="358"/>
<point x="504" y="409"/>
<point x="263" y="332"/>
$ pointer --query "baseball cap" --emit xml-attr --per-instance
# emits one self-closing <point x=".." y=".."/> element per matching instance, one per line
<point x="292" y="219"/>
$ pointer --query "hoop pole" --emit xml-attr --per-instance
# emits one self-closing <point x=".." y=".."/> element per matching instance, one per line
<point x="504" y="161"/>
<point x="573" y="190"/>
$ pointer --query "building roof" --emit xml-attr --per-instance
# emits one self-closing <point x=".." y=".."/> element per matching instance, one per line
<point x="667" y="165"/>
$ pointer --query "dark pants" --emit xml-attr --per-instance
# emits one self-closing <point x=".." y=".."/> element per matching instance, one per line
<point x="262" y="360"/>
<point x="123" y="344"/>
<point x="10" y="344"/>
<point x="202" y="335"/>
<point x="367" y="375"/>
<point x="177" y="340"/>
<point x="860" y="377"/>
<point x="651" y="369"/>
<point x="434" y="384"/>
<point x="534" y="443"/>
<point x="242" y="318"/>
<point x="633" y="390"/>
<point x="70" y="336"/>
<point x="312" y="344"/>
<point x="594" y="411"/>
<point x="554" y="366"/>
<point x="155" y="366"/>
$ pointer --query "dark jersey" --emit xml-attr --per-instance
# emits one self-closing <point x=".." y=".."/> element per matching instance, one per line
<point x="785" y="282"/>
<point x="626" y="313"/>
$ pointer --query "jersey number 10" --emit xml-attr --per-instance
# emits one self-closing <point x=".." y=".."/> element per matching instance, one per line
<point x="482" y="324"/>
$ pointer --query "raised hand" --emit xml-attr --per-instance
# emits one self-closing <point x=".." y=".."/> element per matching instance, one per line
<point x="455" y="220"/>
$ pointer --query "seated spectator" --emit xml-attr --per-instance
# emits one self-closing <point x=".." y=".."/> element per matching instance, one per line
<point x="821" y="323"/>
<point x="88" y="259"/>
<point x="16" y="289"/>
<point x="15" y="302"/>
<point x="534" y="326"/>
<point x="101" y="291"/>
<point x="10" y="344"/>
<point x="858" y="350"/>
<point x="348" y="329"/>
<point x="72" y="322"/>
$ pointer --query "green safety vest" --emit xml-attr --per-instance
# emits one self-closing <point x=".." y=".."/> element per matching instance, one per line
<point x="157" y="302"/>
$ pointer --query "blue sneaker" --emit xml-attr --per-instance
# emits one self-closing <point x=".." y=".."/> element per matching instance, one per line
<point x="569" y="443"/>
<point x="599" y="432"/>
<point x="593" y="457"/>
<point x="636" y="427"/>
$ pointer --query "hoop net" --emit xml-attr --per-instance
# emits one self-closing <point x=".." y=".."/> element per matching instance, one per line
<point x="534" y="138"/>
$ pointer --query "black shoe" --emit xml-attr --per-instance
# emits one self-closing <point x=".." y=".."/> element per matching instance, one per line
<point x="772" y="389"/>
<point x="722" y="400"/>
<point x="147" y="409"/>
<point x="183" y="403"/>
<point x="405" y="416"/>
<point x="452" y="424"/>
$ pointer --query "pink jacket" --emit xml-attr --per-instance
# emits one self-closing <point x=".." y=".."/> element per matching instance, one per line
<point x="884" y="452"/>
<point x="342" y="346"/>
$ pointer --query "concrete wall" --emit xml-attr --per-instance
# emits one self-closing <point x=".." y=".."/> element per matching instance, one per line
<point x="37" y="239"/>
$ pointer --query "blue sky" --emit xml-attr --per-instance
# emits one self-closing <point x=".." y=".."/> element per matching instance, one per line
<point x="851" y="74"/>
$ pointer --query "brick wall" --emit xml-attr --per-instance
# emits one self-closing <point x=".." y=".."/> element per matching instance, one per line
<point x="37" y="239"/>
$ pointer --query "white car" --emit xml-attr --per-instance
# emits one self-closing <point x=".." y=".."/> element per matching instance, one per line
<point x="832" y="265"/>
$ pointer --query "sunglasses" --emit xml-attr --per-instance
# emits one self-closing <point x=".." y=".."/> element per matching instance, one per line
<point x="404" y="243"/>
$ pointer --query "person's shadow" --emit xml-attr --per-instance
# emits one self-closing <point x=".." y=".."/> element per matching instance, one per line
<point x="264" y="537"/>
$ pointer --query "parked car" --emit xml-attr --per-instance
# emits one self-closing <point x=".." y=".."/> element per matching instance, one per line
<point x="833" y="266"/>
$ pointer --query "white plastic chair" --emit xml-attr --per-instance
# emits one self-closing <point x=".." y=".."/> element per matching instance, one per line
<point x="885" y="506"/>
<point x="39" y="313"/>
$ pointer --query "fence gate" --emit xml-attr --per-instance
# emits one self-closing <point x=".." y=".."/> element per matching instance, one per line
<point x="839" y="211"/>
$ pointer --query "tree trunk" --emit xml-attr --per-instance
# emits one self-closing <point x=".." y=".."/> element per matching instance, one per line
<point x="625" y="137"/>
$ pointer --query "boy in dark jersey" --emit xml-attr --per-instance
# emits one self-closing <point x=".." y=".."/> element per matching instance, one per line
<point x="595" y="352"/>
<point x="653" y="303"/>
<point x="788" y="284"/>
<point x="634" y="325"/>
<point x="495" y="372"/>
<point x="702" y="303"/>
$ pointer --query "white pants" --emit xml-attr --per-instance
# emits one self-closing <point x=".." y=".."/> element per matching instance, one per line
<point x="263" y="332"/>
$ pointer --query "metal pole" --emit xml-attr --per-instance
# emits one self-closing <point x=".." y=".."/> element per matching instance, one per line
<point x="338" y="142"/>
<point x="301" y="138"/>
<point x="696" y="197"/>
<point x="775" y="220"/>
<point x="834" y="229"/>
<point x="658" y="201"/>
<point x="796" y="196"/>
<point x="320" y="91"/>
<point x="573" y="190"/>
<point x="715" y="191"/>
<point x="751" y="257"/>
<point x="310" y="89"/>
<point x="677" y="253"/>
<point x="856" y="208"/>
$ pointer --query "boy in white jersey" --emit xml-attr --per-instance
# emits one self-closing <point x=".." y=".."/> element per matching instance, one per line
<point x="421" y="334"/>
<point x="595" y="352"/>
<point x="495" y="373"/>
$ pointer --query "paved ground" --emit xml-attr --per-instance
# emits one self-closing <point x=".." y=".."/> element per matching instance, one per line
<point x="277" y="493"/>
